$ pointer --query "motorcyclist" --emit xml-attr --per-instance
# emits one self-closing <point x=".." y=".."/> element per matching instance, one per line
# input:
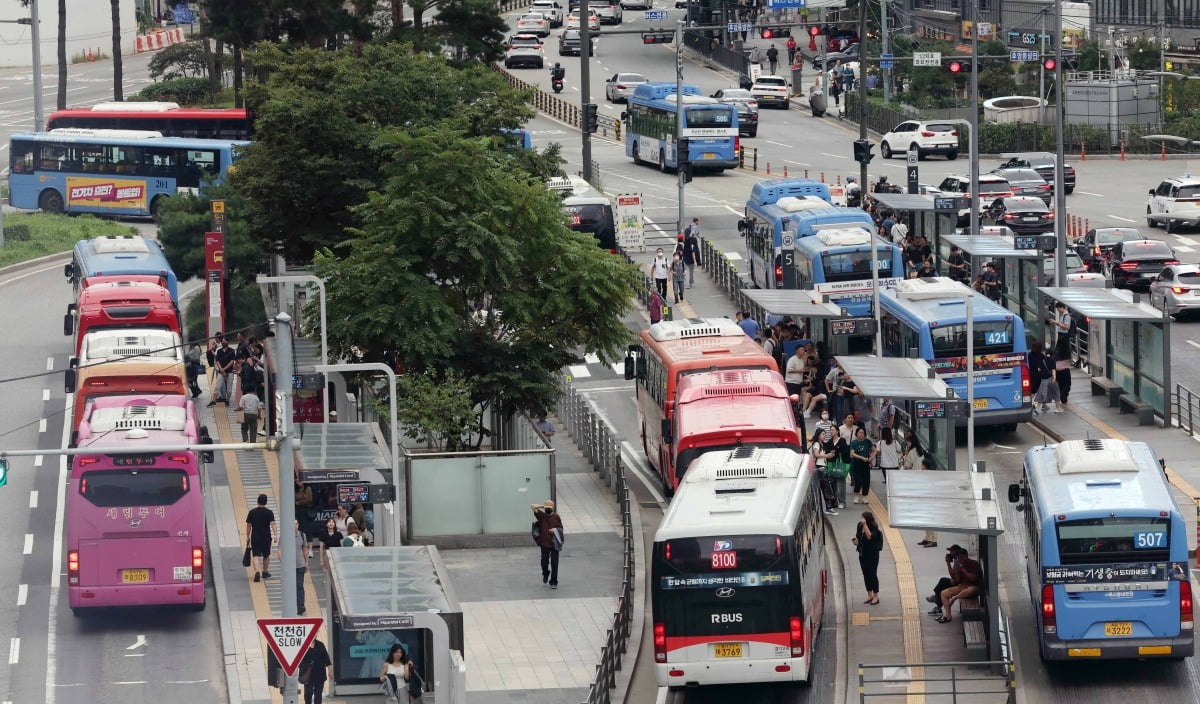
<point x="853" y="192"/>
<point x="557" y="72"/>
<point x="882" y="186"/>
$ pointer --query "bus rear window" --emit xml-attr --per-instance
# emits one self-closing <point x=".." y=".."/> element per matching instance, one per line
<point x="738" y="553"/>
<point x="1114" y="539"/>
<point x="849" y="266"/>
<point x="136" y="487"/>
<point x="710" y="117"/>
<point x="991" y="337"/>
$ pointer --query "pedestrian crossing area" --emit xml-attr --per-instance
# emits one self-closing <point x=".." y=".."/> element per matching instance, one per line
<point x="594" y="368"/>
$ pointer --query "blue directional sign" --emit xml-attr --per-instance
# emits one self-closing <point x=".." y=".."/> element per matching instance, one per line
<point x="740" y="27"/>
<point x="1017" y="55"/>
<point x="656" y="14"/>
<point x="786" y="3"/>
<point x="885" y="60"/>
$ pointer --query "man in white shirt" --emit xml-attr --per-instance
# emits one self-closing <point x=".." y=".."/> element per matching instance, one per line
<point x="250" y="407"/>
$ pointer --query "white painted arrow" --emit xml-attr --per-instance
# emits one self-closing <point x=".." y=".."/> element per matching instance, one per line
<point x="141" y="641"/>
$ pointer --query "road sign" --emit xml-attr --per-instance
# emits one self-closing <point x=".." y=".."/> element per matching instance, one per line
<point x="985" y="29"/>
<point x="656" y="14"/>
<point x="786" y="3"/>
<point x="740" y="27"/>
<point x="910" y="171"/>
<point x="289" y="639"/>
<point x="885" y="60"/>
<point x="927" y="58"/>
<point x="1017" y="55"/>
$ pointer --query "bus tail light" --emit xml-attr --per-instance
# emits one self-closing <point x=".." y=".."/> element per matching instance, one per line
<point x="1185" y="606"/>
<point x="168" y="381"/>
<point x="1026" y="384"/>
<point x="197" y="564"/>
<point x="73" y="567"/>
<point x="737" y="145"/>
<point x="660" y="643"/>
<point x="796" y="633"/>
<point x="1049" y="619"/>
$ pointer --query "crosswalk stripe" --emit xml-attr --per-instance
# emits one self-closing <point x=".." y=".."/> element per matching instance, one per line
<point x="579" y="371"/>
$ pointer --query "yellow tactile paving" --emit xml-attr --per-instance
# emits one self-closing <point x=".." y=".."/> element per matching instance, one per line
<point x="910" y="608"/>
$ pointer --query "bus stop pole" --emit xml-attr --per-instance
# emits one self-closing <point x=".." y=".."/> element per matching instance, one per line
<point x="287" y="488"/>
<point x="681" y="170"/>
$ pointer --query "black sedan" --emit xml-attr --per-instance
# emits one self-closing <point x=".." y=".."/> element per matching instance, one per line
<point x="1137" y="262"/>
<point x="848" y="54"/>
<point x="1024" y="214"/>
<point x="747" y="107"/>
<point x="1043" y="163"/>
<point x="1026" y="182"/>
<point x="1095" y="246"/>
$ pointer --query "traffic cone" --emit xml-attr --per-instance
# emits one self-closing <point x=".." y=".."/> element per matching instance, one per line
<point x="1083" y="152"/>
<point x="785" y="174"/>
<point x="768" y="168"/>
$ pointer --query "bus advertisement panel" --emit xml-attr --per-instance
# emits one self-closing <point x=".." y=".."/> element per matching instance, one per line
<point x="710" y="127"/>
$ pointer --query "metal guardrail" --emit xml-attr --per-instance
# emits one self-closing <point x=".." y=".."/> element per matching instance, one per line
<point x="725" y="275"/>
<point x="710" y="47"/>
<point x="510" y="5"/>
<point x="1185" y="405"/>
<point x="598" y="442"/>
<point x="560" y="109"/>
<point x="950" y="682"/>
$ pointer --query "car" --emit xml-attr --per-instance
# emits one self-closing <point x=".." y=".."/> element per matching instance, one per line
<point x="840" y="39"/>
<point x="1094" y="247"/>
<point x="637" y="5"/>
<point x="1026" y="215"/>
<point x="609" y="11"/>
<point x="534" y="23"/>
<point x="1074" y="266"/>
<point x="923" y="137"/>
<point x="1135" y="263"/>
<point x="991" y="187"/>
<point x="684" y="4"/>
<point x="524" y="50"/>
<point x="569" y="42"/>
<point x="1176" y="197"/>
<point x="1043" y="163"/>
<point x="550" y="9"/>
<point x="621" y="86"/>
<point x="1026" y="182"/>
<point x="747" y="107"/>
<point x="850" y="54"/>
<point x="593" y="21"/>
<point x="771" y="90"/>
<point x="1177" y="289"/>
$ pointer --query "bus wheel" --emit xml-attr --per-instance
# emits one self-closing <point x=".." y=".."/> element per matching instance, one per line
<point x="156" y="206"/>
<point x="668" y="492"/>
<point x="51" y="201"/>
<point x="662" y="161"/>
<point x="637" y="158"/>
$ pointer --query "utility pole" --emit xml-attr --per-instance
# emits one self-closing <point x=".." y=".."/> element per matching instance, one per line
<point x="1060" y="193"/>
<point x="585" y="83"/>
<point x="35" y="36"/>
<point x="885" y="75"/>
<point x="862" y="167"/>
<point x="1162" y="67"/>
<point x="287" y="488"/>
<point x="1042" y="71"/>
<point x="973" y="138"/>
<point x="823" y="81"/>
<point x="680" y="167"/>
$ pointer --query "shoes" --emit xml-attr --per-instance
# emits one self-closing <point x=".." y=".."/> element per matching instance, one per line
<point x="873" y="602"/>
<point x="211" y="404"/>
<point x="1059" y="410"/>
<point x="554" y="586"/>
<point x="841" y="505"/>
<point x="545" y="579"/>
<point x="943" y="619"/>
<point x="935" y="611"/>
<point x="931" y="600"/>
<point x="257" y="577"/>
<point x="830" y="512"/>
<point x="266" y="575"/>
<point x="923" y="543"/>
<point x="300" y="611"/>
<point x="931" y="545"/>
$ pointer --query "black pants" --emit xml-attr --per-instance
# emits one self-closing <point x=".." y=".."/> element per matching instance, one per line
<point x="661" y="284"/>
<point x="827" y="491"/>
<point x="312" y="692"/>
<point x="869" y="562"/>
<point x="862" y="480"/>
<point x="943" y="584"/>
<point x="249" y="427"/>
<point x="1063" y="377"/>
<point x="550" y="566"/>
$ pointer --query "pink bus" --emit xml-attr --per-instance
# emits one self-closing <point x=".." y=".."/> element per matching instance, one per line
<point x="135" y="519"/>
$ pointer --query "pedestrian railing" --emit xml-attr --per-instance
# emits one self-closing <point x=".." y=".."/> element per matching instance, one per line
<point x="597" y="440"/>
<point x="510" y="5"/>
<point x="939" y="682"/>
<point x="1185" y="405"/>
<point x="560" y="109"/>
<point x="725" y="275"/>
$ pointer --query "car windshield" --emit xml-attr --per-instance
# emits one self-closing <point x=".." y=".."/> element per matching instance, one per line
<point x="1115" y="236"/>
<point x="1148" y="249"/>
<point x="771" y="81"/>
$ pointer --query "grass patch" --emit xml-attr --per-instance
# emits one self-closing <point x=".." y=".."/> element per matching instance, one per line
<point x="51" y="234"/>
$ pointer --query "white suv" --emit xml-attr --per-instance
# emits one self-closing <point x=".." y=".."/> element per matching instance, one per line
<point x="771" y="90"/>
<point x="609" y="11"/>
<point x="550" y="9"/>
<point x="924" y="137"/>
<point x="525" y="50"/>
<point x="1177" y="197"/>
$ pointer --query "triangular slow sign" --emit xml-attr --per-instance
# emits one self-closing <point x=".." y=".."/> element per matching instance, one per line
<point x="289" y="639"/>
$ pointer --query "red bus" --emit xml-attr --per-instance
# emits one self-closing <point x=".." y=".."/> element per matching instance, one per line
<point x="672" y="349"/>
<point x="722" y="410"/>
<point x="120" y="304"/>
<point x="167" y="118"/>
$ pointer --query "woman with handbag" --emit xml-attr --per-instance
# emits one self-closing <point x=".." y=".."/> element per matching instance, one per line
<point x="397" y="669"/>
<point x="862" y="453"/>
<point x="821" y="458"/>
<point x="868" y="539"/>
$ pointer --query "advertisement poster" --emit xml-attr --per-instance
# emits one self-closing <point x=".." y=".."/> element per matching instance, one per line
<point x="116" y="193"/>
<point x="359" y="655"/>
<point x="631" y="233"/>
<point x="984" y="364"/>
<point x="1122" y="572"/>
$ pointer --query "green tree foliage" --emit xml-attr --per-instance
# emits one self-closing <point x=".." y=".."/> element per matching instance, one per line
<point x="472" y="29"/>
<point x="317" y="115"/>
<point x="1144" y="54"/>
<point x="1089" y="57"/>
<point x="185" y="218"/>
<point x="464" y="263"/>
<point x="186" y="60"/>
<point x="185" y="91"/>
<point x="434" y="408"/>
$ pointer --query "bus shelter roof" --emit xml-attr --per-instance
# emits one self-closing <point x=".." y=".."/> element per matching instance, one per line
<point x="958" y="502"/>
<point x="339" y="446"/>
<point x="993" y="246"/>
<point x="894" y="378"/>
<point x="906" y="201"/>
<point x="1104" y="304"/>
<point x="793" y="302"/>
<point x="391" y="580"/>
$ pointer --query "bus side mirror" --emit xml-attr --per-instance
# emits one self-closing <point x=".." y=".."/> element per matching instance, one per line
<point x="1014" y="493"/>
<point x="666" y="431"/>
<point x="641" y="368"/>
<point x="206" y="439"/>
<point x="743" y="227"/>
<point x="69" y="381"/>
<point x="74" y="441"/>
<point x="624" y="115"/>
<point x="1151" y="191"/>
<point x="68" y="324"/>
<point x="69" y="269"/>
<point x="630" y="367"/>
<point x="73" y="362"/>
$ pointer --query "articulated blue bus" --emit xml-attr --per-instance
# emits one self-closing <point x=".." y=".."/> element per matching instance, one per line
<point x="120" y="255"/>
<point x="837" y="264"/>
<point x="114" y="172"/>
<point x="769" y="212"/>
<point x="1107" y="565"/>
<point x="936" y="329"/>
<point x="711" y="128"/>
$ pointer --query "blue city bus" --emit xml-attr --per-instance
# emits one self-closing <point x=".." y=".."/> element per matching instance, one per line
<point x="710" y="126"/>
<point x="1107" y="565"/>
<point x="837" y="264"/>
<point x="120" y="255"/>
<point x="935" y="328"/>
<point x="516" y="139"/>
<point x="114" y="172"/>
<point x="769" y="212"/>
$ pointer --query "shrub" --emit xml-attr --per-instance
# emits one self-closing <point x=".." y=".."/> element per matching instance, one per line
<point x="185" y="91"/>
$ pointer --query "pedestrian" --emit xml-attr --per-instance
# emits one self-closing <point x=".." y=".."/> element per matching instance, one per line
<point x="260" y="536"/>
<point x="889" y="452"/>
<point x="862" y="453"/>
<point x="1062" y="368"/>
<point x="991" y="282"/>
<point x="549" y="539"/>
<point x="303" y="552"/>
<point x="794" y="374"/>
<point x="250" y="407"/>
<point x="847" y="77"/>
<point x="656" y="307"/>
<point x="1041" y="365"/>
<point x="397" y="668"/>
<point x="691" y="249"/>
<point x="868" y="539"/>
<point x="678" y="275"/>
<point x="747" y="324"/>
<point x="954" y="555"/>
<point x="354" y="537"/>
<point x="659" y="270"/>
<point x="193" y="368"/>
<point x="316" y="668"/>
<point x="225" y="357"/>
<point x="341" y="518"/>
<point x="214" y="343"/>
<point x="304" y="506"/>
<point x="969" y="578"/>
<point x="330" y="538"/>
<point x="544" y="426"/>
<point x="957" y="265"/>
<point x="885" y="416"/>
<point x="1061" y="322"/>
<point x="773" y="58"/>
<point x="823" y="454"/>
<point x="754" y="56"/>
<point x="835" y="89"/>
<point x="791" y="51"/>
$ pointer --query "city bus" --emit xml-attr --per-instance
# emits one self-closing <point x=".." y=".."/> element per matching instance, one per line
<point x="673" y="349"/>
<point x="769" y="212"/>
<point x="135" y="519"/>
<point x="111" y="172"/>
<point x="1107" y="562"/>
<point x="837" y="264"/>
<point x="118" y="362"/>
<point x="935" y="329"/>
<point x="710" y="126"/>
<point x="119" y="256"/>
<point x="720" y="410"/>
<point x="120" y="304"/>
<point x="169" y="119"/>
<point x="587" y="210"/>
<point x="739" y="571"/>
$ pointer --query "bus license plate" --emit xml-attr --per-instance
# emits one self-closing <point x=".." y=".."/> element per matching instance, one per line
<point x="727" y="650"/>
<point x="981" y="404"/>
<point x="135" y="576"/>
<point x="1118" y="628"/>
<point x="709" y="155"/>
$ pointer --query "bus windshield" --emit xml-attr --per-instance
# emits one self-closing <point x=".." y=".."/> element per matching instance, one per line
<point x="850" y="266"/>
<point x="1114" y="539"/>
<point x="134" y="487"/>
<point x="991" y="337"/>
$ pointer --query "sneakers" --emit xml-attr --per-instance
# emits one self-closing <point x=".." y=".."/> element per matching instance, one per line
<point x="1059" y="409"/>
<point x="257" y="577"/>
<point x="211" y="404"/>
<point x="266" y="575"/>
<point x="554" y="586"/>
<point x="830" y="512"/>
<point x="931" y="600"/>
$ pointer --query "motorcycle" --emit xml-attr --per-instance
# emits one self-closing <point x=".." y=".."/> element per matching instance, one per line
<point x="556" y="84"/>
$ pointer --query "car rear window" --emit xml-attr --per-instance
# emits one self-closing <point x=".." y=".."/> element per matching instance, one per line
<point x="771" y="82"/>
<point x="1189" y="192"/>
<point x="630" y="77"/>
<point x="1115" y="236"/>
<point x="1189" y="279"/>
<point x="1022" y="175"/>
<point x="939" y="127"/>
<point x="526" y="41"/>
<point x="1028" y="206"/>
<point x="993" y="185"/>
<point x="1148" y="248"/>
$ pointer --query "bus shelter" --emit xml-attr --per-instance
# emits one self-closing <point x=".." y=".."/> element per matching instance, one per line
<point x="343" y="464"/>
<point x="1127" y="343"/>
<point x="958" y="502"/>
<point x="383" y="596"/>
<point x="929" y="405"/>
<point x="827" y="322"/>
<point x="1019" y="265"/>
<point x="928" y="216"/>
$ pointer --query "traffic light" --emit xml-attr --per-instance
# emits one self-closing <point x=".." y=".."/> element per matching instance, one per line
<point x="956" y="67"/>
<point x="771" y="32"/>
<point x="683" y="156"/>
<point x="814" y="31"/>
<point x="862" y="151"/>
<point x="1048" y="64"/>
<point x="3" y="471"/>
<point x="591" y="118"/>
<point x="657" y="37"/>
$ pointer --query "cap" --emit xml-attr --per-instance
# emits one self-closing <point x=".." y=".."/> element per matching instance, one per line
<point x="679" y="237"/>
<point x="955" y="548"/>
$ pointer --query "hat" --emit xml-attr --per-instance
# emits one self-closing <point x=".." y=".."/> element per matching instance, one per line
<point x="955" y="549"/>
<point x="679" y="237"/>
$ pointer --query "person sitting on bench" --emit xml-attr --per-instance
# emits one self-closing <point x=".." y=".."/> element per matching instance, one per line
<point x="970" y="576"/>
<point x="954" y="555"/>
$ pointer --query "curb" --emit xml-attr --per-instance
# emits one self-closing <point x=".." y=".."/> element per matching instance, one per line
<point x="1047" y="430"/>
<point x="841" y="624"/>
<point x="34" y="263"/>
<point x="629" y="659"/>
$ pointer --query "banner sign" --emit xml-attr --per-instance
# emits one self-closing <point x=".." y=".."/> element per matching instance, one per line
<point x="984" y="364"/>
<point x="737" y="579"/>
<point x="631" y="232"/>
<point x="86" y="191"/>
<point x="1114" y="573"/>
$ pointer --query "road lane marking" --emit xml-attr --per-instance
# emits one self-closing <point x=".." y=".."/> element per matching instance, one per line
<point x="51" y="663"/>
<point x="33" y="499"/>
<point x="49" y="364"/>
<point x="37" y="460"/>
<point x="835" y="156"/>
<point x="579" y="371"/>
<point x="14" y="651"/>
<point x="29" y="543"/>
<point x="187" y="682"/>
<point x="138" y="642"/>
<point x="1086" y="193"/>
<point x="131" y="682"/>
<point x="22" y="594"/>
<point x="731" y="209"/>
<point x="1184" y="248"/>
<point x="42" y="425"/>
<point x="797" y="163"/>
<point x="1184" y="240"/>
<point x="45" y="394"/>
<point x="1118" y="217"/>
<point x="1193" y="343"/>
<point x="779" y="144"/>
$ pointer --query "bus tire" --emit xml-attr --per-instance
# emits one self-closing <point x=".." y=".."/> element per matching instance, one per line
<point x="637" y="159"/>
<point x="156" y="206"/>
<point x="662" y="161"/>
<point x="51" y="201"/>
<point x="198" y="607"/>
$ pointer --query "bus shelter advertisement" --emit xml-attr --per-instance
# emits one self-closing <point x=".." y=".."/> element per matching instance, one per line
<point x="91" y="192"/>
<point x="986" y="364"/>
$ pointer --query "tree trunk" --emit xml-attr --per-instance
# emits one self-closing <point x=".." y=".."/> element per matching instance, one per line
<point x="397" y="14"/>
<point x="62" y="54"/>
<point x="218" y="68"/>
<point x="118" y="68"/>
<point x="237" y="75"/>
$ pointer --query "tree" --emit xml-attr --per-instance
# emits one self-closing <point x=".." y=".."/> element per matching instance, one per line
<point x="238" y="24"/>
<point x="62" y="54"/>
<point x="464" y="264"/>
<point x="434" y="408"/>
<point x="116" y="44"/>
<point x="1144" y="54"/>
<point x="474" y="29"/>
<point x="182" y="222"/>
<point x="1089" y="56"/>
<point x="186" y="60"/>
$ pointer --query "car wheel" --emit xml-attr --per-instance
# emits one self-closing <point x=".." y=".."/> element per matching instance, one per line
<point x="1149" y="220"/>
<point x="753" y="133"/>
<point x="914" y="148"/>
<point x="885" y="149"/>
<point x="507" y="65"/>
<point x="951" y="156"/>
<point x="1068" y="190"/>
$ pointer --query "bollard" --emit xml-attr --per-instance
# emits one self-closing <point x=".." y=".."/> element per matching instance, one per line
<point x="806" y="173"/>
<point x="1083" y="151"/>
<point x="822" y="177"/>
<point x="1087" y="225"/>
<point x="741" y="157"/>
<point x="768" y="168"/>
<point x="839" y="179"/>
<point x="1122" y="150"/>
<point x="1164" y="151"/>
<point x="785" y="175"/>
<point x="755" y="159"/>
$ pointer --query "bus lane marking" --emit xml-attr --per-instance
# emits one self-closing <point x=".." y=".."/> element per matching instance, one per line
<point x="33" y="499"/>
<point x="22" y="594"/>
<point x="29" y="543"/>
<point x="14" y="651"/>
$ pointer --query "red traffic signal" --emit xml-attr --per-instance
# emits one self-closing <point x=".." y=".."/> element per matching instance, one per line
<point x="1049" y="64"/>
<point x="814" y="31"/>
<point x="766" y="33"/>
<point x="955" y="67"/>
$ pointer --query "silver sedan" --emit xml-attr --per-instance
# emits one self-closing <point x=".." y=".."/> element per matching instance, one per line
<point x="1176" y="288"/>
<point x="621" y="86"/>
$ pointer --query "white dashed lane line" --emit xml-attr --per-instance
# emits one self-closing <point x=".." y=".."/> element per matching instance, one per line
<point x="22" y="594"/>
<point x="45" y="394"/>
<point x="29" y="543"/>
<point x="14" y="651"/>
<point x="1118" y="217"/>
<point x="1086" y="193"/>
<point x="33" y="500"/>
<point x="49" y="364"/>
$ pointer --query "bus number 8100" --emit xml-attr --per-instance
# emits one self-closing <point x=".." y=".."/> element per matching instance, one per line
<point x="724" y="560"/>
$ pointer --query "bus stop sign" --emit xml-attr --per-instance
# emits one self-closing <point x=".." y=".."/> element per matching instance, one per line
<point x="289" y="639"/>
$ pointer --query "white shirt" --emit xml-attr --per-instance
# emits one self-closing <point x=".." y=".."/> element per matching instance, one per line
<point x="1063" y="321"/>
<point x="660" y="267"/>
<point x="795" y="370"/>
<point x="249" y="403"/>
<point x="889" y="454"/>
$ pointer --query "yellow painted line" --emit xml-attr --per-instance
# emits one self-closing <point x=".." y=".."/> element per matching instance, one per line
<point x="910" y="607"/>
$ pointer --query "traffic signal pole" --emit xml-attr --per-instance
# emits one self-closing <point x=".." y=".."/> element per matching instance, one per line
<point x="973" y="138"/>
<point x="1060" y="192"/>
<point x="585" y="84"/>
<point x="680" y="169"/>
<point x="862" y="167"/>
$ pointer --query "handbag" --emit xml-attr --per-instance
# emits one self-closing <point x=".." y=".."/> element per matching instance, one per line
<point x="305" y="673"/>
<point x="415" y="685"/>
<point x="535" y="532"/>
<point x="246" y="557"/>
<point x="836" y="469"/>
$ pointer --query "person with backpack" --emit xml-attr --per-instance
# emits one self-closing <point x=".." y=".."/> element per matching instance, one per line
<point x="548" y="533"/>
<point x="691" y="249"/>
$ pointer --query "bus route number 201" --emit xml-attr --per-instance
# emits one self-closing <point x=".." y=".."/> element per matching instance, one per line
<point x="289" y="636"/>
<point x="1149" y="539"/>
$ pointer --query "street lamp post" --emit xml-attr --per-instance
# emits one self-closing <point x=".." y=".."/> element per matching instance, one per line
<point x="391" y="375"/>
<point x="320" y="284"/>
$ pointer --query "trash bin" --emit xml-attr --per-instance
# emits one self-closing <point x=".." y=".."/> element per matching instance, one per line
<point x="816" y="102"/>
